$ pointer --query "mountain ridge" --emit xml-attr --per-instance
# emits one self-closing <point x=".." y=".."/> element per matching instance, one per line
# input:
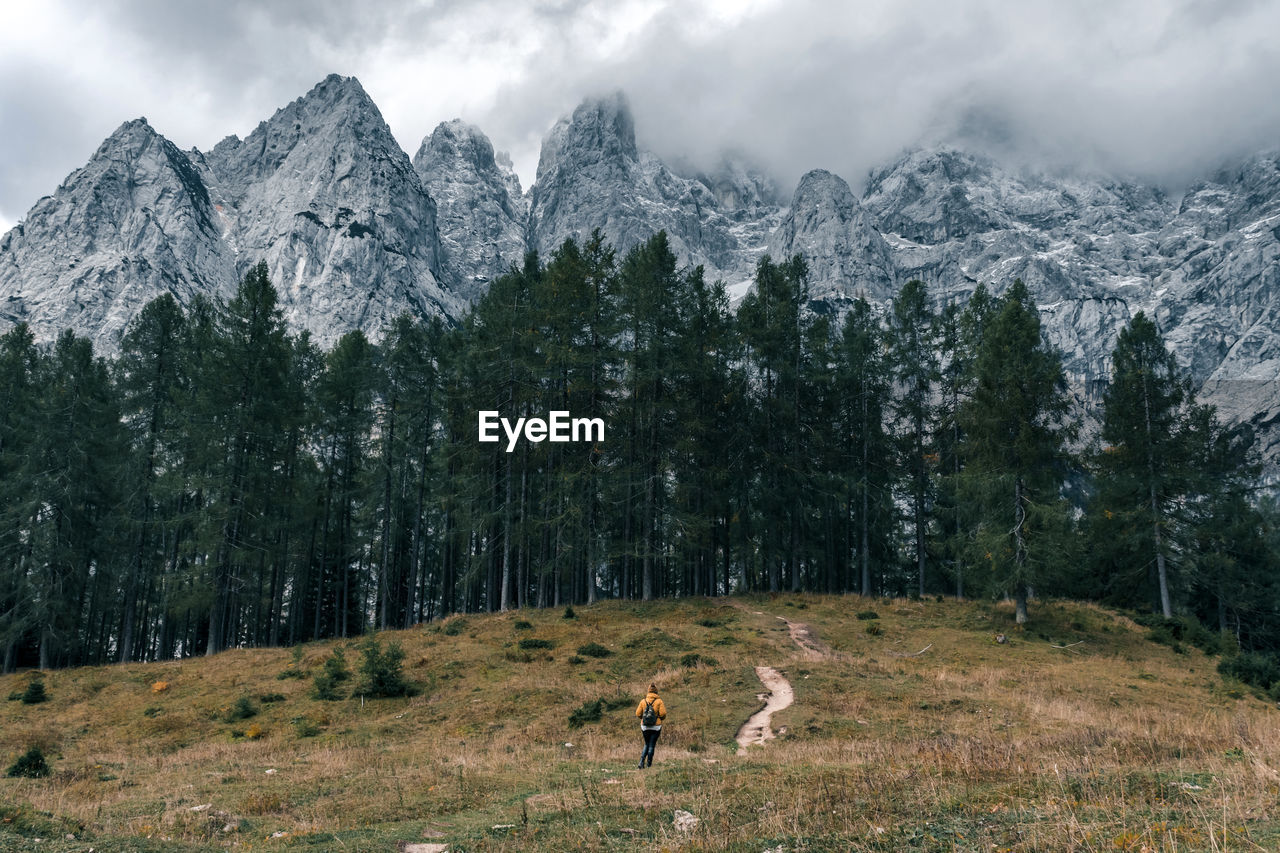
<point x="354" y="232"/>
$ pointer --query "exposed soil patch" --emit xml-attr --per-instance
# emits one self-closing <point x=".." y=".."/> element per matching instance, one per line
<point x="807" y="639"/>
<point x="757" y="730"/>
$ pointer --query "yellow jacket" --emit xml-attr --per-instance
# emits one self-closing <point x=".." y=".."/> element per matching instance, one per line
<point x="658" y="707"/>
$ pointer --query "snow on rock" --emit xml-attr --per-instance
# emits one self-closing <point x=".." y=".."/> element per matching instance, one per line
<point x="354" y="234"/>
<point x="134" y="222"/>
<point x="480" y="211"/>
<point x="326" y="196"/>
<point x="592" y="174"/>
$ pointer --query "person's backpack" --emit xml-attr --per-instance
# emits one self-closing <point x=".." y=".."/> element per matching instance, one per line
<point x="650" y="716"/>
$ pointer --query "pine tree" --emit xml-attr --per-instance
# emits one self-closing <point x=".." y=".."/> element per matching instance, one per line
<point x="913" y="354"/>
<point x="1142" y="469"/>
<point x="150" y="377"/>
<point x="1228" y="581"/>
<point x="345" y="407"/>
<point x="862" y="383"/>
<point x="73" y="472"/>
<point x="244" y="357"/>
<point x="1014" y="453"/>
<point x="648" y="286"/>
<point x="19" y="361"/>
<point x="774" y="330"/>
<point x="707" y="387"/>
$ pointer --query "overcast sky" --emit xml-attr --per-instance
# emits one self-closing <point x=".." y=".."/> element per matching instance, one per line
<point x="1164" y="90"/>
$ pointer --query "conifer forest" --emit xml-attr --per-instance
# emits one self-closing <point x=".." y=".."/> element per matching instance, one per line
<point x="222" y="482"/>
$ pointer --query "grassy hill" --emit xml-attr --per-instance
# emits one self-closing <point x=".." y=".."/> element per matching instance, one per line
<point x="1079" y="733"/>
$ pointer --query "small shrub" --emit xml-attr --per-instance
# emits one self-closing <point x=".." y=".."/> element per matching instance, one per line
<point x="268" y="698"/>
<point x="1189" y="629"/>
<point x="868" y="614"/>
<point x="594" y="650"/>
<point x="160" y="687"/>
<point x="873" y="628"/>
<point x="522" y="625"/>
<point x="31" y="765"/>
<point x="587" y="712"/>
<point x="254" y="732"/>
<point x="331" y="675"/>
<point x="1253" y="668"/>
<point x="529" y="643"/>
<point x="295" y="668"/>
<point x="383" y="670"/>
<point x="35" y="693"/>
<point x="153" y="711"/>
<point x="613" y="703"/>
<point x="693" y="659"/>
<point x="710" y="623"/>
<point x="243" y="709"/>
<point x="454" y="627"/>
<point x="568" y="612"/>
<point x="575" y="660"/>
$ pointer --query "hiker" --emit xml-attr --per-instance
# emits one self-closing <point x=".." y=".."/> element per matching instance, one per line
<point x="651" y="712"/>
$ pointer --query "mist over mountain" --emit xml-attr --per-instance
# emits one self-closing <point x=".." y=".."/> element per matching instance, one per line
<point x="355" y="233"/>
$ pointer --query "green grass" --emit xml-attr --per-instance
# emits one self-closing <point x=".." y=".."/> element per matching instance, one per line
<point x="1080" y="733"/>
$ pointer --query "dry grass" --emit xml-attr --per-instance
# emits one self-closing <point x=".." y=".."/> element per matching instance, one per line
<point x="1116" y="743"/>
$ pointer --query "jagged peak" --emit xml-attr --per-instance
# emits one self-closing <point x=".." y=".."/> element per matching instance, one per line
<point x="456" y="139"/>
<point x="332" y="95"/>
<point x="335" y="109"/>
<point x="336" y="86"/>
<point x="128" y="134"/>
<point x="954" y="162"/>
<point x="736" y="181"/>
<point x="606" y="120"/>
<point x="601" y="128"/>
<point x="818" y="184"/>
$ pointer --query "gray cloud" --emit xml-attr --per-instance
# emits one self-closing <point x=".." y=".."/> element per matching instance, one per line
<point x="1163" y="90"/>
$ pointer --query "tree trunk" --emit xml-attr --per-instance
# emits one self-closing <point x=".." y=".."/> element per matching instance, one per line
<point x="1162" y="570"/>
<point x="505" y="597"/>
<point x="1019" y="554"/>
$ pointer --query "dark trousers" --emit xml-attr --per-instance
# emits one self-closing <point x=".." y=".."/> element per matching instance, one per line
<point x="650" y="741"/>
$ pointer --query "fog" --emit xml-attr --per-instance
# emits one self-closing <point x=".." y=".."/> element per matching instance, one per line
<point x="1164" y="91"/>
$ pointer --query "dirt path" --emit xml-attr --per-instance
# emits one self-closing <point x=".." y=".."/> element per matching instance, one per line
<point x="805" y="637"/>
<point x="756" y="729"/>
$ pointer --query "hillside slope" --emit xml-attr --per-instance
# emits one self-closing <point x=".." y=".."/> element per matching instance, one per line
<point x="1077" y="734"/>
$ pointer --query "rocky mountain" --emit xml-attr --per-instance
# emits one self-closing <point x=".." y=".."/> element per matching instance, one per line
<point x="592" y="174"/>
<point x="1095" y="251"/>
<point x="136" y="221"/>
<point x="324" y="193"/>
<point x="355" y="233"/>
<point x="481" y="213"/>
<point x="845" y="252"/>
<point x="321" y="191"/>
